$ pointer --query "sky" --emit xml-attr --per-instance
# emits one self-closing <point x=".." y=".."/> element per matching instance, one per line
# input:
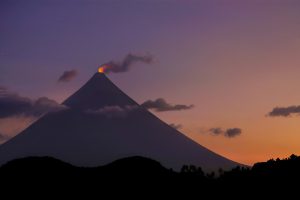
<point x="234" y="61"/>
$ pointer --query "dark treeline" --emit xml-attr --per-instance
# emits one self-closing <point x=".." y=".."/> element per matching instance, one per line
<point x="138" y="174"/>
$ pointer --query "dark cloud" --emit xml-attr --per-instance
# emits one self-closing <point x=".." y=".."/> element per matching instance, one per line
<point x="230" y="132"/>
<point x="113" y="111"/>
<point x="68" y="76"/>
<point x="284" y="111"/>
<point x="12" y="104"/>
<point x="160" y="105"/>
<point x="176" y="126"/>
<point x="126" y="63"/>
<point x="216" y="131"/>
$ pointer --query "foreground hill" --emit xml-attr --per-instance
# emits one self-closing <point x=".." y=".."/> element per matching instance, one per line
<point x="135" y="175"/>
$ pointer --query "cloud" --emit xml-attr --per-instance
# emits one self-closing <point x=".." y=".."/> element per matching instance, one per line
<point x="216" y="131"/>
<point x="176" y="126"/>
<point x="113" y="111"/>
<point x="230" y="132"/>
<point x="68" y="76"/>
<point x="12" y="104"/>
<point x="160" y="105"/>
<point x="126" y="63"/>
<point x="284" y="111"/>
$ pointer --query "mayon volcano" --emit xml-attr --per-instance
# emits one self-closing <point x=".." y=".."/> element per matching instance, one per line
<point x="101" y="124"/>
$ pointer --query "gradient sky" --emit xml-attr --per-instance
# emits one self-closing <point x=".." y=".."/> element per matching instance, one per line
<point x="234" y="60"/>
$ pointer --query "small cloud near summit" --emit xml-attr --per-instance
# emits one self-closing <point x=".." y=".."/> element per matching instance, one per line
<point x="68" y="76"/>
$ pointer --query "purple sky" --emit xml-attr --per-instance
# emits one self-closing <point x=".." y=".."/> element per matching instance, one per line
<point x="234" y="60"/>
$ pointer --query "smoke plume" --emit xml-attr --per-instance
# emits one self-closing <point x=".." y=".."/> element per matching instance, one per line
<point x="126" y="63"/>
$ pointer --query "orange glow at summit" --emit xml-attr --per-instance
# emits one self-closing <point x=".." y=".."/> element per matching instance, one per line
<point x="101" y="69"/>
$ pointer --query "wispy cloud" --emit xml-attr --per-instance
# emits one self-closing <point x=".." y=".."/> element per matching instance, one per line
<point x="233" y="132"/>
<point x="68" y="76"/>
<point x="216" y="131"/>
<point x="113" y="111"/>
<point x="284" y="111"/>
<point x="230" y="132"/>
<point x="160" y="105"/>
<point x="12" y="104"/>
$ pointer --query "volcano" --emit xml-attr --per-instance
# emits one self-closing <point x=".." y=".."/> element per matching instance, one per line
<point x="102" y="124"/>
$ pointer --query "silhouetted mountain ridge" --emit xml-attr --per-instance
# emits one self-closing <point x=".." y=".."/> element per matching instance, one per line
<point x="139" y="174"/>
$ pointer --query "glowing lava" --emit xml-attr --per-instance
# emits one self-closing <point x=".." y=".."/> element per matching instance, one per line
<point x="101" y="69"/>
